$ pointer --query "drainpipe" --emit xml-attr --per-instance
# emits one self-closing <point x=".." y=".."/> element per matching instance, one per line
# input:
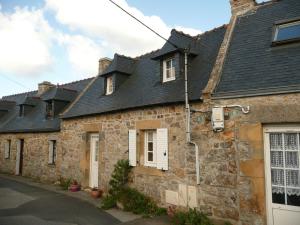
<point x="188" y="116"/>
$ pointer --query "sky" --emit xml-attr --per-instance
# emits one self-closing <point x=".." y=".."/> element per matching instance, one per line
<point x="62" y="40"/>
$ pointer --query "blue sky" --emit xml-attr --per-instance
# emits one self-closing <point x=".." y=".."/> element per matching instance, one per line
<point x="62" y="40"/>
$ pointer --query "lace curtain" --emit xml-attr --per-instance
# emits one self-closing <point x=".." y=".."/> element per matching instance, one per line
<point x="285" y="169"/>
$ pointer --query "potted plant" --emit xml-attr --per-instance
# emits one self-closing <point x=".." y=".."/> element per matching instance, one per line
<point x="75" y="186"/>
<point x="96" y="193"/>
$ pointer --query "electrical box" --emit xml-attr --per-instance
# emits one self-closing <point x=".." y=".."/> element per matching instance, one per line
<point x="217" y="119"/>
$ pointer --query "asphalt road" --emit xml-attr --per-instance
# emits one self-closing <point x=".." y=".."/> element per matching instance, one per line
<point x="21" y="204"/>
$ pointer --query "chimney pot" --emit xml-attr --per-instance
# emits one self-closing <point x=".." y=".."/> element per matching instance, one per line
<point x="239" y="7"/>
<point x="44" y="86"/>
<point x="103" y="64"/>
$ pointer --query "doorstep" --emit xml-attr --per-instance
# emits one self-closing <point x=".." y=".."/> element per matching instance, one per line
<point x="122" y="216"/>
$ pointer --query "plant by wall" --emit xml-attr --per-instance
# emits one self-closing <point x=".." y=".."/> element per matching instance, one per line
<point x="119" y="177"/>
<point x="65" y="183"/>
<point x="131" y="199"/>
<point x="191" y="217"/>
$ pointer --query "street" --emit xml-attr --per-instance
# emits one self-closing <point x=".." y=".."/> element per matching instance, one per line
<point x="21" y="204"/>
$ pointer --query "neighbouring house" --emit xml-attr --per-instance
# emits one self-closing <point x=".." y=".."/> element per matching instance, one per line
<point x="30" y="129"/>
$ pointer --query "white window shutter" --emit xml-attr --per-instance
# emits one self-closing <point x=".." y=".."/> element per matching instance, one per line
<point x="132" y="147"/>
<point x="6" y="150"/>
<point x="50" y="160"/>
<point x="162" y="149"/>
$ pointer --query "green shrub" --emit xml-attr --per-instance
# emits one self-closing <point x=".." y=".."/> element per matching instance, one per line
<point x="108" y="202"/>
<point x="138" y="203"/>
<point x="65" y="183"/>
<point x="192" y="217"/>
<point x="119" y="177"/>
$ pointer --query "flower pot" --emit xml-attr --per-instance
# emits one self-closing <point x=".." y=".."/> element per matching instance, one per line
<point x="96" y="193"/>
<point x="74" y="187"/>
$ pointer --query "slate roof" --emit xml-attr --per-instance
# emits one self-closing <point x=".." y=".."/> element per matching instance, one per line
<point x="253" y="66"/>
<point x="144" y="87"/>
<point x="35" y="120"/>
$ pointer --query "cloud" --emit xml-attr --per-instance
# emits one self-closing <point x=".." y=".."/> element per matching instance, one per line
<point x="83" y="53"/>
<point x="24" y="42"/>
<point x="102" y="19"/>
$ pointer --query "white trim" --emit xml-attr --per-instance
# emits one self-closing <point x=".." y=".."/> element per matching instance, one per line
<point x="132" y="147"/>
<point x="109" y="85"/>
<point x="154" y="141"/>
<point x="172" y="69"/>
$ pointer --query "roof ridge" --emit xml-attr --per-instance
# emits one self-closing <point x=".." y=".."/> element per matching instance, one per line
<point x="212" y="30"/>
<point x="147" y="53"/>
<point x="22" y="93"/>
<point x="182" y="33"/>
<point x="31" y="92"/>
<point x="124" y="56"/>
<point x="76" y="81"/>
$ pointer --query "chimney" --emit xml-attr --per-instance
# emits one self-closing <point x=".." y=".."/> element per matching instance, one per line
<point x="44" y="86"/>
<point x="239" y="7"/>
<point x="103" y="64"/>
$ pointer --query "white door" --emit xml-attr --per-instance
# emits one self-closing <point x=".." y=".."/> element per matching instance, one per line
<point x="282" y="168"/>
<point x="18" y="157"/>
<point x="94" y="157"/>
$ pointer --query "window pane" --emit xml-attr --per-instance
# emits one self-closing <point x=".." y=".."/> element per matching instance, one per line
<point x="96" y="150"/>
<point x="278" y="195"/>
<point x="276" y="141"/>
<point x="291" y="159"/>
<point x="290" y="142"/>
<point x="150" y="136"/>
<point x="277" y="177"/>
<point x="292" y="178"/>
<point x="293" y="197"/>
<point x="150" y="146"/>
<point x="288" y="32"/>
<point x="150" y="156"/>
<point x="169" y="64"/>
<point x="276" y="158"/>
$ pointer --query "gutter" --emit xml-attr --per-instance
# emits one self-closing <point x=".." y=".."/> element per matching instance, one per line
<point x="188" y="117"/>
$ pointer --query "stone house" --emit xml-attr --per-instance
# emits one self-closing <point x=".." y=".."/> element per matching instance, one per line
<point x="30" y="129"/>
<point x="242" y="162"/>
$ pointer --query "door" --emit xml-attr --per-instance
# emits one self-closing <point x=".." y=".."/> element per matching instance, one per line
<point x="19" y="157"/>
<point x="282" y="168"/>
<point x="94" y="157"/>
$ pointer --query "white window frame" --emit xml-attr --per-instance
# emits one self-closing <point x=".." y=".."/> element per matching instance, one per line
<point x="7" y="149"/>
<point x="280" y="26"/>
<point x="146" y="149"/>
<point x="53" y="153"/>
<point x="109" y="85"/>
<point x="171" y="69"/>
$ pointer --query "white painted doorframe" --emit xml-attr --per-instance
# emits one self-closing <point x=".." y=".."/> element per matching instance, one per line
<point x="273" y="208"/>
<point x="94" y="160"/>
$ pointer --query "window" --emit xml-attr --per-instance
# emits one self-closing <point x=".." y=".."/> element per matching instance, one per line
<point x="287" y="32"/>
<point x="7" y="149"/>
<point x="52" y="152"/>
<point x="150" y="148"/>
<point x="21" y="111"/>
<point x="168" y="70"/>
<point x="49" y="110"/>
<point x="155" y="148"/>
<point x="109" y="85"/>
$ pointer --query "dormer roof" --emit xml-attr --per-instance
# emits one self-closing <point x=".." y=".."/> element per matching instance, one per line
<point x="120" y="64"/>
<point x="181" y="41"/>
<point x="60" y="94"/>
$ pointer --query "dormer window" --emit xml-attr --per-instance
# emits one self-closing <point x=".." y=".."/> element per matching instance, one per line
<point x="21" y="111"/>
<point x="49" y="110"/>
<point x="109" y="85"/>
<point x="168" y="70"/>
<point x="287" y="32"/>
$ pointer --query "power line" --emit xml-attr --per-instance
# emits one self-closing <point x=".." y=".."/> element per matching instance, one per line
<point x="143" y="24"/>
<point x="16" y="82"/>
